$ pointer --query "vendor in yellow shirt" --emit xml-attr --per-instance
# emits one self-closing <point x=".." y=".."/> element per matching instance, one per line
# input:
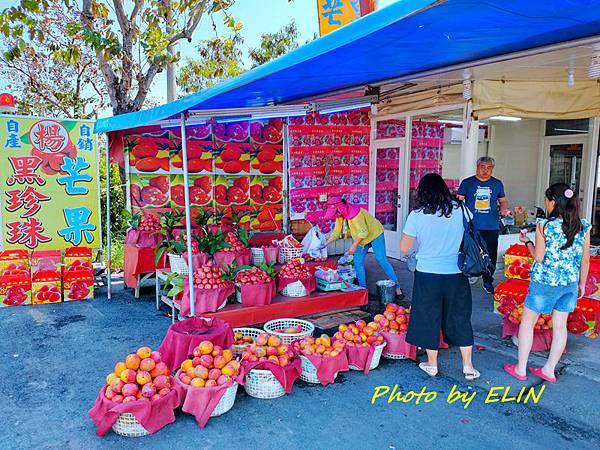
<point x="366" y="231"/>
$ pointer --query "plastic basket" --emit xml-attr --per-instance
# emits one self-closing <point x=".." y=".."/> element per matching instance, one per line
<point x="286" y="254"/>
<point x="226" y="402"/>
<point x="286" y="338"/>
<point x="263" y="384"/>
<point x="375" y="360"/>
<point x="309" y="371"/>
<point x="246" y="331"/>
<point x="127" y="425"/>
<point x="178" y="264"/>
<point x="294" y="290"/>
<point x="394" y="356"/>
<point x="258" y="256"/>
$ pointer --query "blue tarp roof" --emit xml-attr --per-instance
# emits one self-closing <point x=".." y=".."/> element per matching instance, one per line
<point x="405" y="38"/>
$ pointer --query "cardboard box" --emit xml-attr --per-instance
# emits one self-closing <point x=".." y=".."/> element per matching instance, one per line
<point x="78" y="284"/>
<point x="78" y="257"/>
<point x="45" y="261"/>
<point x="14" y="260"/>
<point x="15" y="290"/>
<point x="46" y="287"/>
<point x="517" y="262"/>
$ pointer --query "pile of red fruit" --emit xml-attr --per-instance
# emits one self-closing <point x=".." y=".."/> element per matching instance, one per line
<point x="291" y="330"/>
<point x="267" y="347"/>
<point x="143" y="376"/>
<point x="576" y="323"/>
<point x="211" y="366"/>
<point x="393" y="320"/>
<point x="319" y="346"/>
<point x="235" y="245"/>
<point x="518" y="269"/>
<point x="195" y="247"/>
<point x="240" y="338"/>
<point x="16" y="269"/>
<point x="253" y="276"/>
<point x="149" y="222"/>
<point x="294" y="270"/>
<point x="209" y="276"/>
<point x="359" y="334"/>
<point x="309" y="258"/>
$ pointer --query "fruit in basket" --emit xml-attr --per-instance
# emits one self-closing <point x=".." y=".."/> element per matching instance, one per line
<point x="149" y="222"/>
<point x="128" y="384"/>
<point x="236" y="245"/>
<point x="393" y="320"/>
<point x="359" y="334"/>
<point x="209" y="276"/>
<point x="253" y="276"/>
<point x="195" y="245"/>
<point x="209" y="371"/>
<point x="294" y="269"/>
<point x="319" y="346"/>
<point x="240" y="338"/>
<point x="290" y="330"/>
<point x="267" y="347"/>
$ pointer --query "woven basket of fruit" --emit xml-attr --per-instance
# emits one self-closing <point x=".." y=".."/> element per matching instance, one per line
<point x="226" y="402"/>
<point x="286" y="254"/>
<point x="375" y="360"/>
<point x="258" y="256"/>
<point x="127" y="425"/>
<point x="309" y="371"/>
<point x="289" y="329"/>
<point x="263" y="384"/>
<point x="178" y="264"/>
<point x="243" y="337"/>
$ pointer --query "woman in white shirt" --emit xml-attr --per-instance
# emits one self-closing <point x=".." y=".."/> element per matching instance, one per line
<point x="441" y="293"/>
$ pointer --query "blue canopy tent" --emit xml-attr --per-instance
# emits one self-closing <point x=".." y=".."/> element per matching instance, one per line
<point x="404" y="39"/>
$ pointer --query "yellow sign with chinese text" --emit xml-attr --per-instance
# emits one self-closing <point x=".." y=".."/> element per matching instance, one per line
<point x="49" y="183"/>
<point x="334" y="14"/>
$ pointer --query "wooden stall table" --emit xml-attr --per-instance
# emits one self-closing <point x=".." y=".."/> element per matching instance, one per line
<point x="139" y="266"/>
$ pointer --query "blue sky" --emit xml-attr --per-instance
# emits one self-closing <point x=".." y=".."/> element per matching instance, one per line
<point x="257" y="16"/>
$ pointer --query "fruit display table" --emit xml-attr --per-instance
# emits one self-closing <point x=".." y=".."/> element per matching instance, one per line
<point x="138" y="266"/>
<point x="265" y="238"/>
<point x="240" y="316"/>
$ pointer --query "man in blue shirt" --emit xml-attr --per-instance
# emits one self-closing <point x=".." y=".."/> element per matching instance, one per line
<point x="484" y="196"/>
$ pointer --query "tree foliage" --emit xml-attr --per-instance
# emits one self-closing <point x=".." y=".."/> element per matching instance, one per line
<point x="130" y="40"/>
<point x="221" y="57"/>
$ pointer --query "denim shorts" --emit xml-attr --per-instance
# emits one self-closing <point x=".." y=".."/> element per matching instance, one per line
<point x="543" y="298"/>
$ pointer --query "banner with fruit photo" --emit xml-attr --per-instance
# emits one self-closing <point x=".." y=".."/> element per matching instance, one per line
<point x="328" y="153"/>
<point x="50" y="185"/>
<point x="199" y="156"/>
<point x="231" y="190"/>
<point x="266" y="159"/>
<point x="150" y="153"/>
<point x="149" y="191"/>
<point x="232" y="157"/>
<point x="265" y="190"/>
<point x="200" y="190"/>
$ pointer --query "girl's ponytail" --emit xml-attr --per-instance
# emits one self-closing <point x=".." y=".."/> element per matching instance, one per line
<point x="566" y="207"/>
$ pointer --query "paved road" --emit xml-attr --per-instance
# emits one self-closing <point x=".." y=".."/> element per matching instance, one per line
<point x="56" y="357"/>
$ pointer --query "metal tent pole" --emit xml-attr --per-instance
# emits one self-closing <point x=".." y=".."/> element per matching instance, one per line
<point x="188" y="219"/>
<point x="108" y="240"/>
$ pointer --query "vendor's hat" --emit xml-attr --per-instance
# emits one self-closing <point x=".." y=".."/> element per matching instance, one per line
<point x="332" y="203"/>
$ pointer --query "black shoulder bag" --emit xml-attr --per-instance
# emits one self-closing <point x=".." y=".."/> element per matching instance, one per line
<point x="473" y="257"/>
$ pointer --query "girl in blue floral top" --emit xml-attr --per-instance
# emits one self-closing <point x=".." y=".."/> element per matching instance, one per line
<point x="562" y="260"/>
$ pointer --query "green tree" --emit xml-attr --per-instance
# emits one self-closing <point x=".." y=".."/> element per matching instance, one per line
<point x="220" y="59"/>
<point x="274" y="45"/>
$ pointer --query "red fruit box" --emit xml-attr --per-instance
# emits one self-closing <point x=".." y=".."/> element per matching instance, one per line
<point x="15" y="290"/>
<point x="45" y="261"/>
<point x="516" y="289"/>
<point x="14" y="259"/>
<point x="46" y="287"/>
<point x="517" y="262"/>
<point x="80" y="257"/>
<point x="78" y="284"/>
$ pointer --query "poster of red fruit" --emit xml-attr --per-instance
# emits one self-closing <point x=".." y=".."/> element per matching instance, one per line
<point x="267" y="159"/>
<point x="46" y="288"/>
<point x="232" y="190"/>
<point x="267" y="217"/>
<point x="265" y="190"/>
<point x="200" y="190"/>
<point x="199" y="156"/>
<point x="231" y="157"/>
<point x="15" y="290"/>
<point x="232" y="131"/>
<point x="149" y="154"/>
<point x="149" y="191"/>
<point x="269" y="131"/>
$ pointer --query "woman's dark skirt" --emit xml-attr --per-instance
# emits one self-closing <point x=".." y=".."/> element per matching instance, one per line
<point x="440" y="302"/>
